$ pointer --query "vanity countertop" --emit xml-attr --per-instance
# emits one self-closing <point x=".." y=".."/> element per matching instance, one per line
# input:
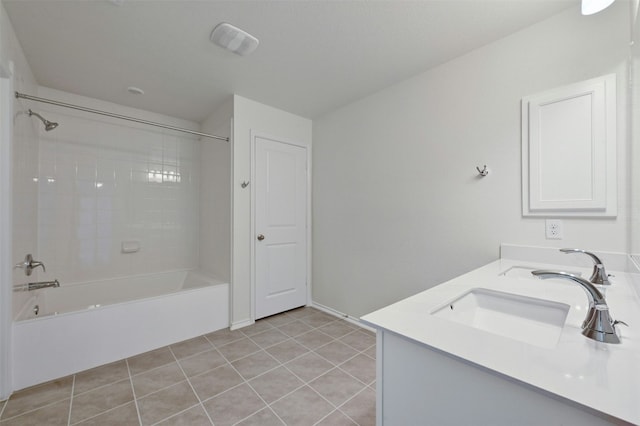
<point x="604" y="377"/>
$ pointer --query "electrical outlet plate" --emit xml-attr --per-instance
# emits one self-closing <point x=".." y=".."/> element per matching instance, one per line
<point x="553" y="228"/>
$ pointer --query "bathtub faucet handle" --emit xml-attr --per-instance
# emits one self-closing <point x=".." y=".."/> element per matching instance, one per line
<point x="29" y="265"/>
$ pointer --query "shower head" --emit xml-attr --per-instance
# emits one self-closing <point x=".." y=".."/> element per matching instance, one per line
<point x="48" y="125"/>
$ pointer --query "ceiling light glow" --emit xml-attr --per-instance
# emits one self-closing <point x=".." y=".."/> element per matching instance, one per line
<point x="589" y="7"/>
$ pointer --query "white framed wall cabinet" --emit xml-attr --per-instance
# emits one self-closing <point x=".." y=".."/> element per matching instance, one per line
<point x="569" y="150"/>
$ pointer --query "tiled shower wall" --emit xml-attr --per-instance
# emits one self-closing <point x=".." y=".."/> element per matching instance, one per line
<point x="24" y="146"/>
<point x="24" y="198"/>
<point x="104" y="182"/>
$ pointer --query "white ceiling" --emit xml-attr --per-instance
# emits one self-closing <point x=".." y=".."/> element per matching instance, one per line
<point x="314" y="56"/>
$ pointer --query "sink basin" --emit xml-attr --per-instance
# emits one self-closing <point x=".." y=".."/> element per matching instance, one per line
<point x="535" y="321"/>
<point x="525" y="272"/>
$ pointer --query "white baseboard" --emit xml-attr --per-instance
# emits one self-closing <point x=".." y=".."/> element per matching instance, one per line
<point x="241" y="324"/>
<point x="331" y="311"/>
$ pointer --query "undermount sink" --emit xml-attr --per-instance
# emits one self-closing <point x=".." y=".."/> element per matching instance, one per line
<point x="525" y="272"/>
<point x="535" y="321"/>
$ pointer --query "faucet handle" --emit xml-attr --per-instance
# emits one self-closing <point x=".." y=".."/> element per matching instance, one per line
<point x="599" y="275"/>
<point x="29" y="265"/>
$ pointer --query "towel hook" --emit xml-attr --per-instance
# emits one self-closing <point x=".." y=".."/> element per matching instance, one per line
<point x="483" y="172"/>
<point x="244" y="184"/>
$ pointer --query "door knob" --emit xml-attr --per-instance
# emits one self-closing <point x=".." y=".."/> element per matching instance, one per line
<point x="260" y="237"/>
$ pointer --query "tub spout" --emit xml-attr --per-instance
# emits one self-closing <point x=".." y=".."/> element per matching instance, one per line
<point x="36" y="285"/>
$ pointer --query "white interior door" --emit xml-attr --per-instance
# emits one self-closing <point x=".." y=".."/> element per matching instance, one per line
<point x="280" y="227"/>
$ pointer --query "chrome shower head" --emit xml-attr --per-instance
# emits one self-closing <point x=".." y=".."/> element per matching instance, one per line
<point x="48" y="125"/>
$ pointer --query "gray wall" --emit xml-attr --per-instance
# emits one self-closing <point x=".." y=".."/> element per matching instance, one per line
<point x="397" y="204"/>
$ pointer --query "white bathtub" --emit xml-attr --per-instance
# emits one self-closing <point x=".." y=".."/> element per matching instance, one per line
<point x="82" y="326"/>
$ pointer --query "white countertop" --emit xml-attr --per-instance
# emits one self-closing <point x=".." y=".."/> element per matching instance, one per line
<point x="604" y="377"/>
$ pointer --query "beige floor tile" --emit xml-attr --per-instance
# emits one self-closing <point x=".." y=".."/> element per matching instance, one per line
<point x="101" y="399"/>
<point x="215" y="381"/>
<point x="309" y="366"/>
<point x="305" y="311"/>
<point x="125" y="415"/>
<point x="50" y="415"/>
<point x="202" y="362"/>
<point x="191" y="347"/>
<point x="256" y="328"/>
<point x="238" y="349"/>
<point x="359" y="340"/>
<point x="336" y="419"/>
<point x="275" y="384"/>
<point x="37" y="396"/>
<point x="156" y="379"/>
<point x="336" y="386"/>
<point x="287" y="350"/>
<point x="224" y="409"/>
<point x="337" y="329"/>
<point x="195" y="416"/>
<point x="103" y="395"/>
<point x="148" y="360"/>
<point x="279" y="319"/>
<point x="336" y="352"/>
<point x="318" y="319"/>
<point x="295" y="328"/>
<point x="313" y="339"/>
<point x="303" y="407"/>
<point x="264" y="417"/>
<point x="224" y="336"/>
<point x="371" y="352"/>
<point x="269" y="338"/>
<point x="165" y="403"/>
<point x="100" y="376"/>
<point x="255" y="364"/>
<point x="361" y="367"/>
<point x="362" y="408"/>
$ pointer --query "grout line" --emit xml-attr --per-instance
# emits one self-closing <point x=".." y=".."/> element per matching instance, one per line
<point x="73" y="386"/>
<point x="101" y="413"/>
<point x="133" y="391"/>
<point x="224" y="344"/>
<point x="193" y="354"/>
<point x="223" y="392"/>
<point x="347" y="401"/>
<point x="191" y="386"/>
<point x="100" y="387"/>
<point x="35" y="409"/>
<point x="267" y="405"/>
<point x="245" y="381"/>
<point x="328" y="414"/>
<point x="178" y="413"/>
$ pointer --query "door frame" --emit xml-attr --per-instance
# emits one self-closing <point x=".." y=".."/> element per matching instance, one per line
<point x="254" y="136"/>
<point x="6" y="267"/>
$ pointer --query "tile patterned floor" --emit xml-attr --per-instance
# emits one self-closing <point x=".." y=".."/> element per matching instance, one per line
<point x="302" y="367"/>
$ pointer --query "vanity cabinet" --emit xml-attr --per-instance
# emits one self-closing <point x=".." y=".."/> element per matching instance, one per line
<point x="502" y="355"/>
<point x="419" y="385"/>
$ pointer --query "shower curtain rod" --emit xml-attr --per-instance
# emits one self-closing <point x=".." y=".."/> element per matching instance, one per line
<point x="122" y="117"/>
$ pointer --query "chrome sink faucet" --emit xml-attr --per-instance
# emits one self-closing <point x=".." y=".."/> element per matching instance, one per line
<point x="599" y="275"/>
<point x="598" y="325"/>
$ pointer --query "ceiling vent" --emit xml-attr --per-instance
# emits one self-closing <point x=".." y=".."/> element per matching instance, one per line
<point x="234" y="39"/>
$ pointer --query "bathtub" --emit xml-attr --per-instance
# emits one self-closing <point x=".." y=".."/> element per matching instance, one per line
<point x="61" y="331"/>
